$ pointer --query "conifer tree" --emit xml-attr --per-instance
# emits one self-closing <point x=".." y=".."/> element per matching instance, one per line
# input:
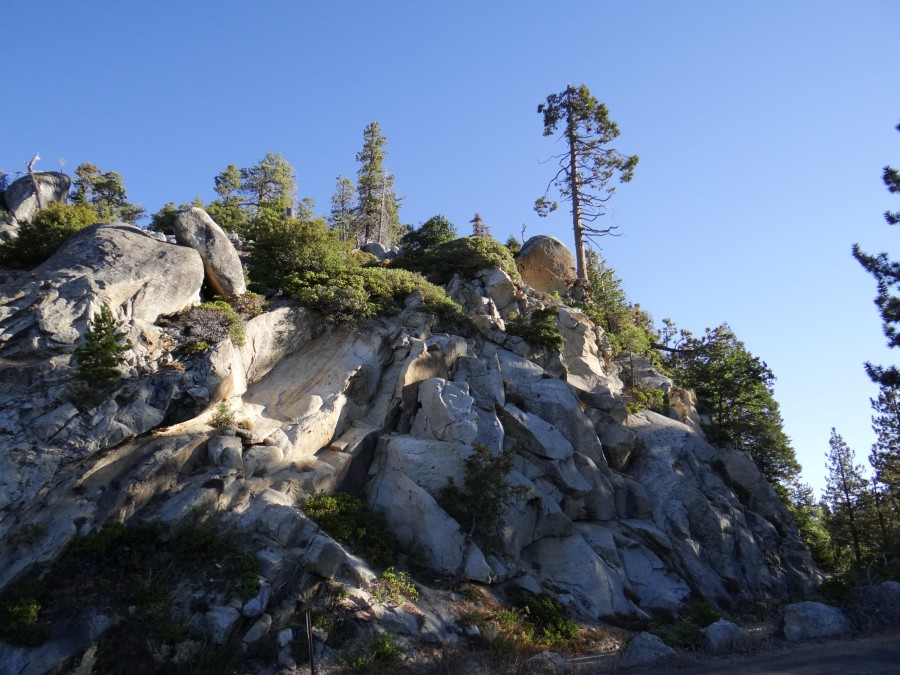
<point x="887" y="274"/>
<point x="269" y="184"/>
<point x="343" y="211"/>
<point x="845" y="496"/>
<point x="587" y="165"/>
<point x="100" y="355"/>
<point x="105" y="191"/>
<point x="885" y="455"/>
<point x="479" y="229"/>
<point x="378" y="206"/>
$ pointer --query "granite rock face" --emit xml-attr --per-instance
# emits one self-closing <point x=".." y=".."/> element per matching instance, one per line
<point x="546" y="265"/>
<point x="20" y="199"/>
<point x="224" y="274"/>
<point x="615" y="515"/>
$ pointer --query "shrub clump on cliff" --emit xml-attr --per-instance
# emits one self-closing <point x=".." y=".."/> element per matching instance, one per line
<point x="308" y="262"/>
<point x="464" y="256"/>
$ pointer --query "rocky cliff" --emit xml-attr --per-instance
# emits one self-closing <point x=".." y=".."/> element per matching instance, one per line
<point x="619" y="517"/>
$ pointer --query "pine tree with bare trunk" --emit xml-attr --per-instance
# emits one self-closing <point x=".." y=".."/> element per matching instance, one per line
<point x="587" y="165"/>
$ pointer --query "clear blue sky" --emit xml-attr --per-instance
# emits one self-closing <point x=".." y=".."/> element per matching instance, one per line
<point x="762" y="128"/>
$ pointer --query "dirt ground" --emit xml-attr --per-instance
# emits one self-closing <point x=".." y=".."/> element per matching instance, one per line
<point x="855" y="655"/>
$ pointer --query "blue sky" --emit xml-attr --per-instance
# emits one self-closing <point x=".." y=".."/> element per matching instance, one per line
<point x="762" y="128"/>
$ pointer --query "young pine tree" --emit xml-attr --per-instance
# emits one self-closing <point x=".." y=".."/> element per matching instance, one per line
<point x="100" y="355"/>
<point x="845" y="496"/>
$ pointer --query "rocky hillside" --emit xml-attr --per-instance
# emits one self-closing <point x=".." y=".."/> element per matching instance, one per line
<point x="618" y="516"/>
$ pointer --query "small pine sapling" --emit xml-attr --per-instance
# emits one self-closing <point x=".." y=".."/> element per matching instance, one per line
<point x="101" y="354"/>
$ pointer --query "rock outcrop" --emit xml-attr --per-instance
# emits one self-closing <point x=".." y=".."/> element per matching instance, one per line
<point x="20" y="198"/>
<point x="224" y="274"/>
<point x="616" y="515"/>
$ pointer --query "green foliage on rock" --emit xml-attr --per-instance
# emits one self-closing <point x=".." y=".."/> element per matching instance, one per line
<point x="464" y="256"/>
<point x="349" y="520"/>
<point x="539" y="329"/>
<point x="645" y="399"/>
<point x="100" y="356"/>
<point x="479" y="503"/>
<point x="686" y="631"/>
<point x="37" y="239"/>
<point x="552" y="626"/>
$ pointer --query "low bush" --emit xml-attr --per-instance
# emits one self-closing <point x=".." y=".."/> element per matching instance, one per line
<point x="353" y="294"/>
<point x="645" y="399"/>
<point x="395" y="587"/>
<point x="381" y="654"/>
<point x="551" y="624"/>
<point x="686" y="632"/>
<point x="349" y="520"/>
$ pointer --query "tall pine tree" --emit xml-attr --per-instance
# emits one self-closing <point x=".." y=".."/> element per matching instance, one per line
<point x="845" y="497"/>
<point x="378" y="206"/>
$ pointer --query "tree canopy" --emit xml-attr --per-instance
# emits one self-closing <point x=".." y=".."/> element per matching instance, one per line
<point x="378" y="206"/>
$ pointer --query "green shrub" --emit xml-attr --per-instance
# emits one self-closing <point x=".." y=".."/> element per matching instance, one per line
<point x="538" y="330"/>
<point x="479" y="504"/>
<point x="349" y="520"/>
<point x="38" y="239"/>
<point x="359" y="293"/>
<point x="20" y="609"/>
<point x="395" y="587"/>
<point x="289" y="247"/>
<point x="381" y="654"/>
<point x="685" y="633"/>
<point x="645" y="399"/>
<point x="223" y="417"/>
<point x="465" y="256"/>
<point x="101" y="354"/>
<point x="552" y="625"/>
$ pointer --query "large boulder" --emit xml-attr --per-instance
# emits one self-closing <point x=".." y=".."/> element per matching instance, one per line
<point x="113" y="264"/>
<point x="21" y="202"/>
<point x="224" y="274"/>
<point x="546" y="264"/>
<point x="646" y="649"/>
<point x="811" y="620"/>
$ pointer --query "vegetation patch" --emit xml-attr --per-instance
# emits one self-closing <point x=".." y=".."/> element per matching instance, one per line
<point x="539" y="329"/>
<point x="381" y="654"/>
<point x="37" y="239"/>
<point x="137" y="566"/>
<point x="465" y="256"/>
<point x="211" y="322"/>
<point x="645" y="399"/>
<point x="100" y="356"/>
<point x="478" y="505"/>
<point x="685" y="633"/>
<point x="349" y="520"/>
<point x="395" y="587"/>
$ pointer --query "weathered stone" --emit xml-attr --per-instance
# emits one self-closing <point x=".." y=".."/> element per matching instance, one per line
<point x="724" y="636"/>
<point x="226" y="451"/>
<point x="810" y="620"/>
<point x="20" y="199"/>
<point x="118" y="265"/>
<point x="256" y="605"/>
<point x="217" y="624"/>
<point x="545" y="663"/>
<point x="258" y="630"/>
<point x="446" y="412"/>
<point x="645" y="649"/>
<point x="224" y="274"/>
<point x="546" y="264"/>
<point x="534" y="434"/>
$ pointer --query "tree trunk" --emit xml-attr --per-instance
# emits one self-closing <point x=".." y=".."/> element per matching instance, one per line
<point x="580" y="260"/>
